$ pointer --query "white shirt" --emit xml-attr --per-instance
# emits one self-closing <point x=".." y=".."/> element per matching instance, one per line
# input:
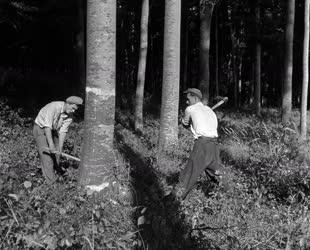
<point x="53" y="116"/>
<point x="203" y="120"/>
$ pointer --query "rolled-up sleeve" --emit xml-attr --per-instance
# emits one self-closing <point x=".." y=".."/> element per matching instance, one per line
<point x="45" y="118"/>
<point x="65" y="125"/>
<point x="186" y="118"/>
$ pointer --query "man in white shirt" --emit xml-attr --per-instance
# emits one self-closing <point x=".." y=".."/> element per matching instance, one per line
<point x="50" y="129"/>
<point x="205" y="154"/>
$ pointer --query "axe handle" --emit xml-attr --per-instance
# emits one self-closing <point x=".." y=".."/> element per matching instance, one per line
<point x="63" y="154"/>
<point x="68" y="156"/>
<point x="220" y="103"/>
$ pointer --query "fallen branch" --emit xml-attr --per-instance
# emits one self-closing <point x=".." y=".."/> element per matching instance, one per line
<point x="211" y="228"/>
<point x="33" y="242"/>
<point x="88" y="240"/>
<point x="9" y="204"/>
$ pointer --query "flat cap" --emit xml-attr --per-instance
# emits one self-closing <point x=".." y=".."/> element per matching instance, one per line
<point x="194" y="91"/>
<point x="74" y="100"/>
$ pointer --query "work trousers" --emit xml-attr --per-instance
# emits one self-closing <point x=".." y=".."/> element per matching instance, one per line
<point x="48" y="161"/>
<point x="205" y="156"/>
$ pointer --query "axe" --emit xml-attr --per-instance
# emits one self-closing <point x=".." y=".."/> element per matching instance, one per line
<point x="225" y="99"/>
<point x="63" y="154"/>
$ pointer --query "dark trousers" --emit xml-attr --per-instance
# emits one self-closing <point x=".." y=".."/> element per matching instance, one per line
<point x="48" y="161"/>
<point x="205" y="156"/>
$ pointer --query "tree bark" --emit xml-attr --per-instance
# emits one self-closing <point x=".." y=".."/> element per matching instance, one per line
<point x="98" y="152"/>
<point x="168" y="136"/>
<point x="185" y="53"/>
<point x="305" y="79"/>
<point x="80" y="47"/>
<point x="234" y="44"/>
<point x="258" y="50"/>
<point x="288" y="64"/>
<point x="205" y="34"/>
<point x="216" y="55"/>
<point x="240" y="66"/>
<point x="142" y="66"/>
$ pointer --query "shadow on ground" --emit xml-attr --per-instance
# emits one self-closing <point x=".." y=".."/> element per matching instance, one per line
<point x="165" y="226"/>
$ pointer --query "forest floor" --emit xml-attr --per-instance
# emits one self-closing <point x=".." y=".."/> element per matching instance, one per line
<point x="266" y="205"/>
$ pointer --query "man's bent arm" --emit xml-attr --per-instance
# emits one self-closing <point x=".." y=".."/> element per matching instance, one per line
<point x="48" y="133"/>
<point x="62" y="137"/>
<point x="186" y="119"/>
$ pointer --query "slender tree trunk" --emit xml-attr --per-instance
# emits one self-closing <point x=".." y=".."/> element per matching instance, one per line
<point x="142" y="66"/>
<point x="235" y="74"/>
<point x="81" y="45"/>
<point x="151" y="73"/>
<point x="233" y="55"/>
<point x="216" y="54"/>
<point x="205" y="34"/>
<point x="171" y="76"/>
<point x="240" y="78"/>
<point x="305" y="79"/>
<point x="134" y="53"/>
<point x="258" y="79"/>
<point x="98" y="153"/>
<point x="257" y="61"/>
<point x="190" y="76"/>
<point x="185" y="53"/>
<point x="288" y="64"/>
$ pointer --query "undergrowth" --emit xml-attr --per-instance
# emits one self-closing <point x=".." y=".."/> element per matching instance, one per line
<point x="34" y="215"/>
<point x="266" y="205"/>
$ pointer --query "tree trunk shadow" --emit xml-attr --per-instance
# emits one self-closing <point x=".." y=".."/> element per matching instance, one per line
<point x="162" y="222"/>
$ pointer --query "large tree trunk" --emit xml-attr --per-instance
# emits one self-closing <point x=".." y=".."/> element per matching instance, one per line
<point x="171" y="76"/>
<point x="142" y="66"/>
<point x="258" y="49"/>
<point x="98" y="153"/>
<point x="205" y="34"/>
<point x="288" y="63"/>
<point x="305" y="80"/>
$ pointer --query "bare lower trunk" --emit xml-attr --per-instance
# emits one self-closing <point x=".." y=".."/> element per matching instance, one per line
<point x="257" y="62"/>
<point x="205" y="33"/>
<point x="216" y="55"/>
<point x="233" y="56"/>
<point x="141" y="67"/>
<point x="235" y="75"/>
<point x="98" y="153"/>
<point x="185" y="58"/>
<point x="288" y="71"/>
<point x="81" y="46"/>
<point x="240" y="78"/>
<point x="171" y="77"/>
<point x="305" y="81"/>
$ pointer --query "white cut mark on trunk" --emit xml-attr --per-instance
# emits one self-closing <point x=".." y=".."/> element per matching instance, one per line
<point x="103" y="94"/>
<point x="104" y="127"/>
<point x="98" y="188"/>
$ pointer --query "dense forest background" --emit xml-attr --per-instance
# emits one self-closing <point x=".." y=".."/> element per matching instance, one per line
<point x="43" y="50"/>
